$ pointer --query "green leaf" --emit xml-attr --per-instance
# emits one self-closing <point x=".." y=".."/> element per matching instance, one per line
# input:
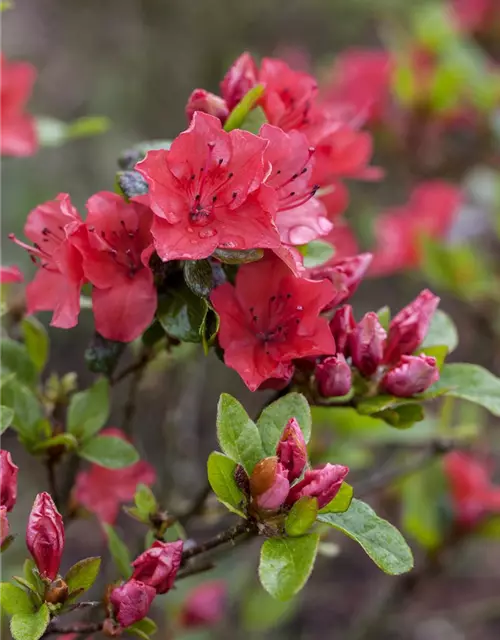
<point x="14" y="599"/>
<point x="403" y="82"/>
<point x="402" y="416"/>
<point x="209" y="329"/>
<point x="273" y="420"/>
<point x="68" y="441"/>
<point x="369" y="406"/>
<point x="240" y="112"/>
<point x="181" y="313"/>
<point x="82" y="575"/>
<point x="54" y="133"/>
<point x="109" y="451"/>
<point x="30" y="626"/>
<point x="302" y="516"/>
<point x="144" y="628"/>
<point x="254" y="120"/>
<point x="102" y="355"/>
<point x="442" y="331"/>
<point x="342" y="500"/>
<point x="15" y="359"/>
<point x="384" y="317"/>
<point x="381" y="541"/>
<point x="198" y="277"/>
<point x="6" y="417"/>
<point x="145" y="500"/>
<point x="317" y="253"/>
<point x="470" y="382"/>
<point x="286" y="564"/>
<point x="439" y="352"/>
<point x="238" y="436"/>
<point x="88" y="410"/>
<point x="26" y="407"/>
<point x="233" y="256"/>
<point x="36" y="340"/>
<point x="221" y="477"/>
<point x="119" y="552"/>
<point x="32" y="576"/>
<point x="31" y="590"/>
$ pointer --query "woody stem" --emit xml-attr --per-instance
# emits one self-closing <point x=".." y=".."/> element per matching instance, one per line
<point x="232" y="534"/>
<point x="79" y="628"/>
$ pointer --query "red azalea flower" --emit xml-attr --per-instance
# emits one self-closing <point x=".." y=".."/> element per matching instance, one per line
<point x="301" y="217"/>
<point x="207" y="192"/>
<point x="54" y="227"/>
<point x="18" y="134"/>
<point x="430" y="211"/>
<point x="362" y="79"/>
<point x="10" y="274"/>
<point x="116" y="253"/>
<point x="271" y="318"/>
<point x="102" y="490"/>
<point x="157" y="566"/>
<point x="204" y="605"/>
<point x="241" y="77"/>
<point x="473" y="494"/>
<point x="45" y="536"/>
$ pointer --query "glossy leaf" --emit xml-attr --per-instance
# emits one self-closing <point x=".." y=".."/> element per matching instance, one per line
<point x="221" y="471"/>
<point x="470" y="382"/>
<point x="234" y="256"/>
<point x="240" y="112"/>
<point x="286" y="564"/>
<point x="83" y="574"/>
<point x="198" y="277"/>
<point x="342" y="500"/>
<point x="36" y="341"/>
<point x="109" y="451"/>
<point x="302" y="516"/>
<point x="383" y="543"/>
<point x="238" y="436"/>
<point x="442" y="331"/>
<point x="274" y="417"/>
<point x="89" y="410"/>
<point x="181" y="313"/>
<point x="102" y="355"/>
<point x="30" y="626"/>
<point x="119" y="552"/>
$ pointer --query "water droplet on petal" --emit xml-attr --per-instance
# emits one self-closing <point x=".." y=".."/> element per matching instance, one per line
<point x="207" y="233"/>
<point x="190" y="230"/>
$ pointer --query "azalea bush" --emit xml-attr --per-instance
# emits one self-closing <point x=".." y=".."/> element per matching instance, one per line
<point x="231" y="240"/>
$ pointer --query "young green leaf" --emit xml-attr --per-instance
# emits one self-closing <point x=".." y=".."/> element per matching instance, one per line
<point x="342" y="500"/>
<point x="26" y="407"/>
<point x="145" y="500"/>
<point x="220" y="471"/>
<point x="88" y="410"/>
<point x="442" y="331"/>
<point x="402" y="416"/>
<point x="470" y="382"/>
<point x="69" y="442"/>
<point x="286" y="564"/>
<point x="15" y="359"/>
<point x="6" y="417"/>
<point x="238" y="436"/>
<point x="30" y="626"/>
<point x="273" y="420"/>
<point x="37" y="598"/>
<point x="439" y="352"/>
<point x="143" y="629"/>
<point x="32" y="576"/>
<point x="302" y="516"/>
<point x="254" y="120"/>
<point x="381" y="541"/>
<point x="119" y="552"/>
<point x="14" y="599"/>
<point x="36" y="340"/>
<point x="82" y="575"/>
<point x="240" y="112"/>
<point x="109" y="451"/>
<point x="316" y="253"/>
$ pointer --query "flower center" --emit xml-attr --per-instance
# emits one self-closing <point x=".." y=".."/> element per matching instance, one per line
<point x="123" y="246"/>
<point x="279" y="322"/>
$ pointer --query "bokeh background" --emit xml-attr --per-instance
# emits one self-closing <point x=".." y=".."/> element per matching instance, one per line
<point x="136" y="62"/>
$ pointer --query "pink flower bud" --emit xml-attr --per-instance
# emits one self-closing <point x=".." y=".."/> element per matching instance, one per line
<point x="131" y="601"/>
<point x="412" y="374"/>
<point x="8" y="480"/>
<point x="201" y="100"/>
<point x="45" y="535"/>
<point x="322" y="483"/>
<point x="345" y="276"/>
<point x="205" y="605"/>
<point x="341" y="325"/>
<point x="292" y="450"/>
<point x="333" y="376"/>
<point x="367" y="344"/>
<point x="158" y="566"/>
<point x="4" y="525"/>
<point x="410" y="326"/>
<point x="238" y="81"/>
<point x="269" y="484"/>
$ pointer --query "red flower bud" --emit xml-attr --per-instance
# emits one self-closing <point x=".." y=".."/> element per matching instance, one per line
<point x="269" y="484"/>
<point x="292" y="450"/>
<point x="322" y="483"/>
<point x="4" y="525"/>
<point x="201" y="100"/>
<point x="345" y="276"/>
<point x="205" y="605"/>
<point x="412" y="374"/>
<point x="45" y="536"/>
<point x="409" y="327"/>
<point x="333" y="376"/>
<point x="8" y="480"/>
<point x="131" y="601"/>
<point x="238" y="81"/>
<point x="341" y="325"/>
<point x="367" y="344"/>
<point x="158" y="566"/>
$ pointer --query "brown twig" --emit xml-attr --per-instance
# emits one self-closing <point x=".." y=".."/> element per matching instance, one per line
<point x="80" y="628"/>
<point x="233" y="534"/>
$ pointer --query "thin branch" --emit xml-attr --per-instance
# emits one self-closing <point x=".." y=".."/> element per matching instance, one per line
<point x="138" y="365"/>
<point x="233" y="534"/>
<point x="91" y="604"/>
<point x="78" y="627"/>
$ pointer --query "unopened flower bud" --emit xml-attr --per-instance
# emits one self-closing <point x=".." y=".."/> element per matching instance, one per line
<point x="56" y="592"/>
<point x="345" y="275"/>
<point x="131" y="601"/>
<point x="8" y="480"/>
<point x="201" y="100"/>
<point x="342" y="325"/>
<point x="45" y="536"/>
<point x="333" y="376"/>
<point x="410" y="326"/>
<point x="269" y="484"/>
<point x="367" y="344"/>
<point x="158" y="566"/>
<point x="4" y="525"/>
<point x="413" y="374"/>
<point x="241" y="77"/>
<point x="204" y="606"/>
<point x="322" y="483"/>
<point x="292" y="450"/>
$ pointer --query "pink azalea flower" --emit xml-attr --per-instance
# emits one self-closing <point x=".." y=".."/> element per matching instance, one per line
<point x="205" y="605"/>
<point x="10" y="274"/>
